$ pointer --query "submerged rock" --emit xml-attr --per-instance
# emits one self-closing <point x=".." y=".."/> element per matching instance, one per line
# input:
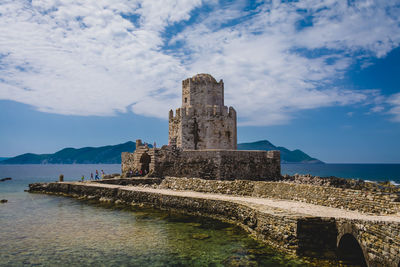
<point x="5" y="179"/>
<point x="239" y="261"/>
<point x="200" y="236"/>
<point x="194" y="224"/>
<point x="3" y="201"/>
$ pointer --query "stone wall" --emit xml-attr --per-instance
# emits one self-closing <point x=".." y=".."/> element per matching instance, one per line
<point x="379" y="241"/>
<point x="203" y="127"/>
<point x="206" y="164"/>
<point x="127" y="162"/>
<point x="363" y="201"/>
<point x="131" y="181"/>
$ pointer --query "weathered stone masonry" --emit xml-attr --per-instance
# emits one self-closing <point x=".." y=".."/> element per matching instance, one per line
<point x="203" y="122"/>
<point x="213" y="164"/>
<point x="202" y="141"/>
<point x="303" y="234"/>
<point x="349" y="199"/>
<point x="379" y="240"/>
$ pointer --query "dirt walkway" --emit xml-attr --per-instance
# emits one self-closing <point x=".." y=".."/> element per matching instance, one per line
<point x="276" y="206"/>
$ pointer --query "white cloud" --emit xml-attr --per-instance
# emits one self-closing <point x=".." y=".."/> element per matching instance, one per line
<point x="377" y="109"/>
<point x="394" y="101"/>
<point x="84" y="57"/>
<point x="368" y="25"/>
<point x="266" y="75"/>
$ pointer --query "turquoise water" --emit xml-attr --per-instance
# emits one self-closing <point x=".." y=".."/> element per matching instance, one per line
<point x="45" y="230"/>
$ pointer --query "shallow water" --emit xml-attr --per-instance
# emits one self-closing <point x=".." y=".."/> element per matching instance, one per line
<point x="45" y="230"/>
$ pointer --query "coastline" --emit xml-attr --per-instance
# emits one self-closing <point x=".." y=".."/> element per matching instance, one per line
<point x="368" y="172"/>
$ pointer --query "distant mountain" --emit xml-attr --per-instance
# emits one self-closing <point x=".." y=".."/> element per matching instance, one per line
<point x="112" y="154"/>
<point x="86" y="155"/>
<point x="287" y="156"/>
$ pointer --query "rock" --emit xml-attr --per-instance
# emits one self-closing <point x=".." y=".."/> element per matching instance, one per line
<point x="110" y="176"/>
<point x="200" y="236"/>
<point x="257" y="251"/>
<point x="3" y="201"/>
<point x="194" y="224"/>
<point x="239" y="261"/>
<point x="5" y="179"/>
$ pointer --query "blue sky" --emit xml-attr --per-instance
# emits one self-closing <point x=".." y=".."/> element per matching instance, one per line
<point x="321" y="76"/>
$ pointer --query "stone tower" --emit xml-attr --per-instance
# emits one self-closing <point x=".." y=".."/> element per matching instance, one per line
<point x="203" y="122"/>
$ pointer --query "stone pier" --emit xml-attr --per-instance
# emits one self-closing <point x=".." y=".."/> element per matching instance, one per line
<point x="366" y="236"/>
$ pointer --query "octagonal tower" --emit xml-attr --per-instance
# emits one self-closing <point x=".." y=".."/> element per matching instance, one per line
<point x="203" y="122"/>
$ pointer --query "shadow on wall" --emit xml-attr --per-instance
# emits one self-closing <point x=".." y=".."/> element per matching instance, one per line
<point x="145" y="160"/>
<point x="349" y="251"/>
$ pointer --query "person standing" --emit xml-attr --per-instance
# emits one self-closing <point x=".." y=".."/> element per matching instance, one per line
<point x="91" y="176"/>
<point x="102" y="174"/>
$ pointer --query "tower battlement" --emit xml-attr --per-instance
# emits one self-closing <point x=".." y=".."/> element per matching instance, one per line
<point x="202" y="90"/>
<point x="203" y="122"/>
<point x="209" y="111"/>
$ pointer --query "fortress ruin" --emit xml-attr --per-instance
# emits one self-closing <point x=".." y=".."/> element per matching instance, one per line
<point x="333" y="219"/>
<point x="202" y="141"/>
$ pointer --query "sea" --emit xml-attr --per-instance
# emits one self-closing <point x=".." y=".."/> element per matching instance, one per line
<point x="47" y="230"/>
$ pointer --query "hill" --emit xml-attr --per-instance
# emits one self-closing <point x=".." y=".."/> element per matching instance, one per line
<point x="112" y="154"/>
<point x="287" y="156"/>
<point x="87" y="155"/>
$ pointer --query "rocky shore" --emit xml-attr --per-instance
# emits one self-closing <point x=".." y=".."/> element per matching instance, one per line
<point x="345" y="183"/>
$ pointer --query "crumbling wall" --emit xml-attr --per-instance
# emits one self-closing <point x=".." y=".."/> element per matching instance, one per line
<point x="132" y="162"/>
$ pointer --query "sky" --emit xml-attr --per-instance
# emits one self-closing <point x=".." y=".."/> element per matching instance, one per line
<point x="322" y="76"/>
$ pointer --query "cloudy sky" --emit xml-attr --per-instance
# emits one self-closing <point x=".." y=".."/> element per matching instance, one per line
<point x="319" y="75"/>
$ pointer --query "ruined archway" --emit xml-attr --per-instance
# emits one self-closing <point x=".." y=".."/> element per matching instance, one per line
<point x="145" y="160"/>
<point x="350" y="251"/>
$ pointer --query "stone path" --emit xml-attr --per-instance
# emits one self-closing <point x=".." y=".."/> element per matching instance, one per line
<point x="275" y="206"/>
